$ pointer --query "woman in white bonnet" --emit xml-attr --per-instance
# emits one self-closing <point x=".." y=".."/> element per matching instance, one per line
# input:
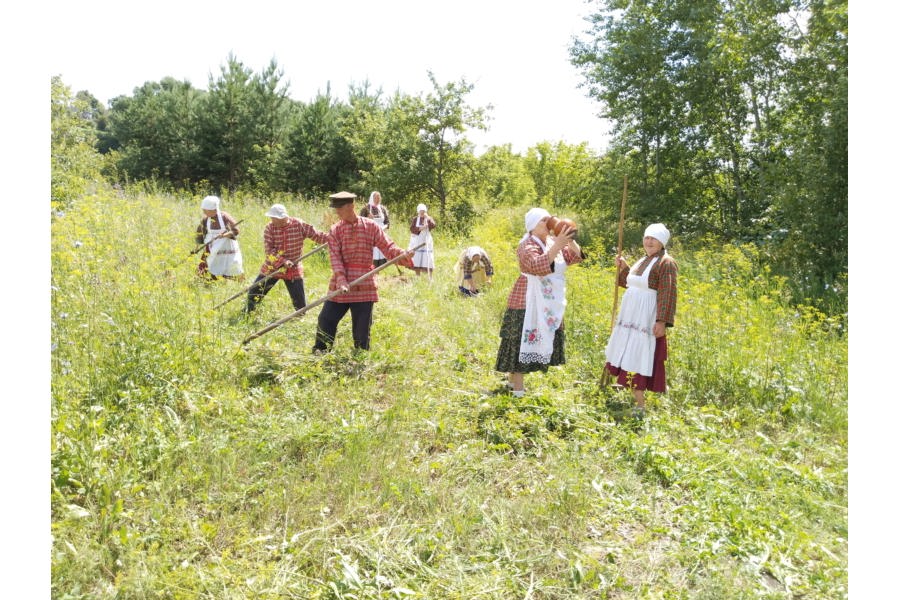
<point x="378" y="212"/>
<point x="532" y="335"/>
<point x="637" y="348"/>
<point x="420" y="227"/>
<point x="474" y="271"/>
<point x="218" y="231"/>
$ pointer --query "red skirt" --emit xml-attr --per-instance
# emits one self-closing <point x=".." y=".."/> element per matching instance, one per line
<point x="654" y="383"/>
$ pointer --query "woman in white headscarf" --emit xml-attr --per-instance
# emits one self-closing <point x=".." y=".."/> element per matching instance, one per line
<point x="420" y="227"/>
<point x="473" y="270"/>
<point x="532" y="337"/>
<point x="376" y="211"/>
<point x="218" y="231"/>
<point x="637" y="348"/>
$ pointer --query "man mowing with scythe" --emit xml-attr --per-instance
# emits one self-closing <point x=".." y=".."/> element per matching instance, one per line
<point x="283" y="240"/>
<point x="350" y="246"/>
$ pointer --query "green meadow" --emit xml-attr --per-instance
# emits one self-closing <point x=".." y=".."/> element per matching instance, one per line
<point x="185" y="464"/>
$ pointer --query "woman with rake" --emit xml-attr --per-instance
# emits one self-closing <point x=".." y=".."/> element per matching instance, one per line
<point x="637" y="348"/>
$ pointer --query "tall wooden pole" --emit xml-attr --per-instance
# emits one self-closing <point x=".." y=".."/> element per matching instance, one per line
<point x="615" y="307"/>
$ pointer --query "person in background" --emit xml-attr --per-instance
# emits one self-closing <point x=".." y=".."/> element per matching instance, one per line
<point x="376" y="211"/>
<point x="473" y="271"/>
<point x="350" y="245"/>
<point x="532" y="334"/>
<point x="420" y="227"/>
<point x="637" y="347"/>
<point x="283" y="239"/>
<point x="218" y="231"/>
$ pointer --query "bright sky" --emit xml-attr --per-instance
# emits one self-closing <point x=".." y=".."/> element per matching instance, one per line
<point x="514" y="52"/>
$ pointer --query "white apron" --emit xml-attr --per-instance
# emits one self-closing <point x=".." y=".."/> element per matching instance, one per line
<point x="632" y="345"/>
<point x="545" y="303"/>
<point x="424" y="256"/>
<point x="376" y="253"/>
<point x="224" y="253"/>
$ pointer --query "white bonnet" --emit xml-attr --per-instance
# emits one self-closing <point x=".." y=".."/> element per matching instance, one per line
<point x="421" y="207"/>
<point x="473" y="250"/>
<point x="210" y="203"/>
<point x="533" y="217"/>
<point x="658" y="231"/>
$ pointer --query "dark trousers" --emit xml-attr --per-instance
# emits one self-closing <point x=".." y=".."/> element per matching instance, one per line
<point x="259" y="290"/>
<point x="332" y="313"/>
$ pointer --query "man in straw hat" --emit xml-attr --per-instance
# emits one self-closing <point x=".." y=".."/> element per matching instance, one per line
<point x="283" y="240"/>
<point x="350" y="245"/>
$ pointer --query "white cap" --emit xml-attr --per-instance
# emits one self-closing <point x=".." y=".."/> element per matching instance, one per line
<point x="658" y="231"/>
<point x="277" y="211"/>
<point x="210" y="203"/>
<point x="421" y="207"/>
<point x="533" y="217"/>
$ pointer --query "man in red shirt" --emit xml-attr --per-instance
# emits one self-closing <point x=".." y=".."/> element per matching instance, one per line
<point x="283" y="241"/>
<point x="350" y="245"/>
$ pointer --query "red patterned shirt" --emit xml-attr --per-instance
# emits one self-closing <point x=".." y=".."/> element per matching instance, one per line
<point x="533" y="261"/>
<point x="350" y="246"/>
<point x="286" y="243"/>
<point x="663" y="278"/>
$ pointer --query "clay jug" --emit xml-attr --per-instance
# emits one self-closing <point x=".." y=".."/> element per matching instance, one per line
<point x="555" y="224"/>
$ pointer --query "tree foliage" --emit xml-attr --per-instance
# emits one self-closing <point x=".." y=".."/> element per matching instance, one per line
<point x="317" y="158"/>
<point x="74" y="161"/>
<point x="155" y="130"/>
<point x="720" y="107"/>
<point x="241" y="124"/>
<point x="415" y="148"/>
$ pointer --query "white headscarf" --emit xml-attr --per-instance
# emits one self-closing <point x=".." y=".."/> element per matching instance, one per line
<point x="473" y="250"/>
<point x="532" y="218"/>
<point x="658" y="231"/>
<point x="372" y="198"/>
<point x="212" y="203"/>
<point x="420" y="220"/>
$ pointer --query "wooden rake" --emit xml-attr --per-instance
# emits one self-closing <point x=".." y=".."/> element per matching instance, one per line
<point x="606" y="378"/>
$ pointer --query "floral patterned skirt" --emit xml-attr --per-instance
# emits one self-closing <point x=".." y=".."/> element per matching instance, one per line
<point x="511" y="339"/>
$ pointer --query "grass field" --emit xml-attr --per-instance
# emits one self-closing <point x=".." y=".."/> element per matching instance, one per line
<point x="187" y="465"/>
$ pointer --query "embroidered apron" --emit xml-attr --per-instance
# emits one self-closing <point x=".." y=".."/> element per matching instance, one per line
<point x="545" y="303"/>
<point x="224" y="253"/>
